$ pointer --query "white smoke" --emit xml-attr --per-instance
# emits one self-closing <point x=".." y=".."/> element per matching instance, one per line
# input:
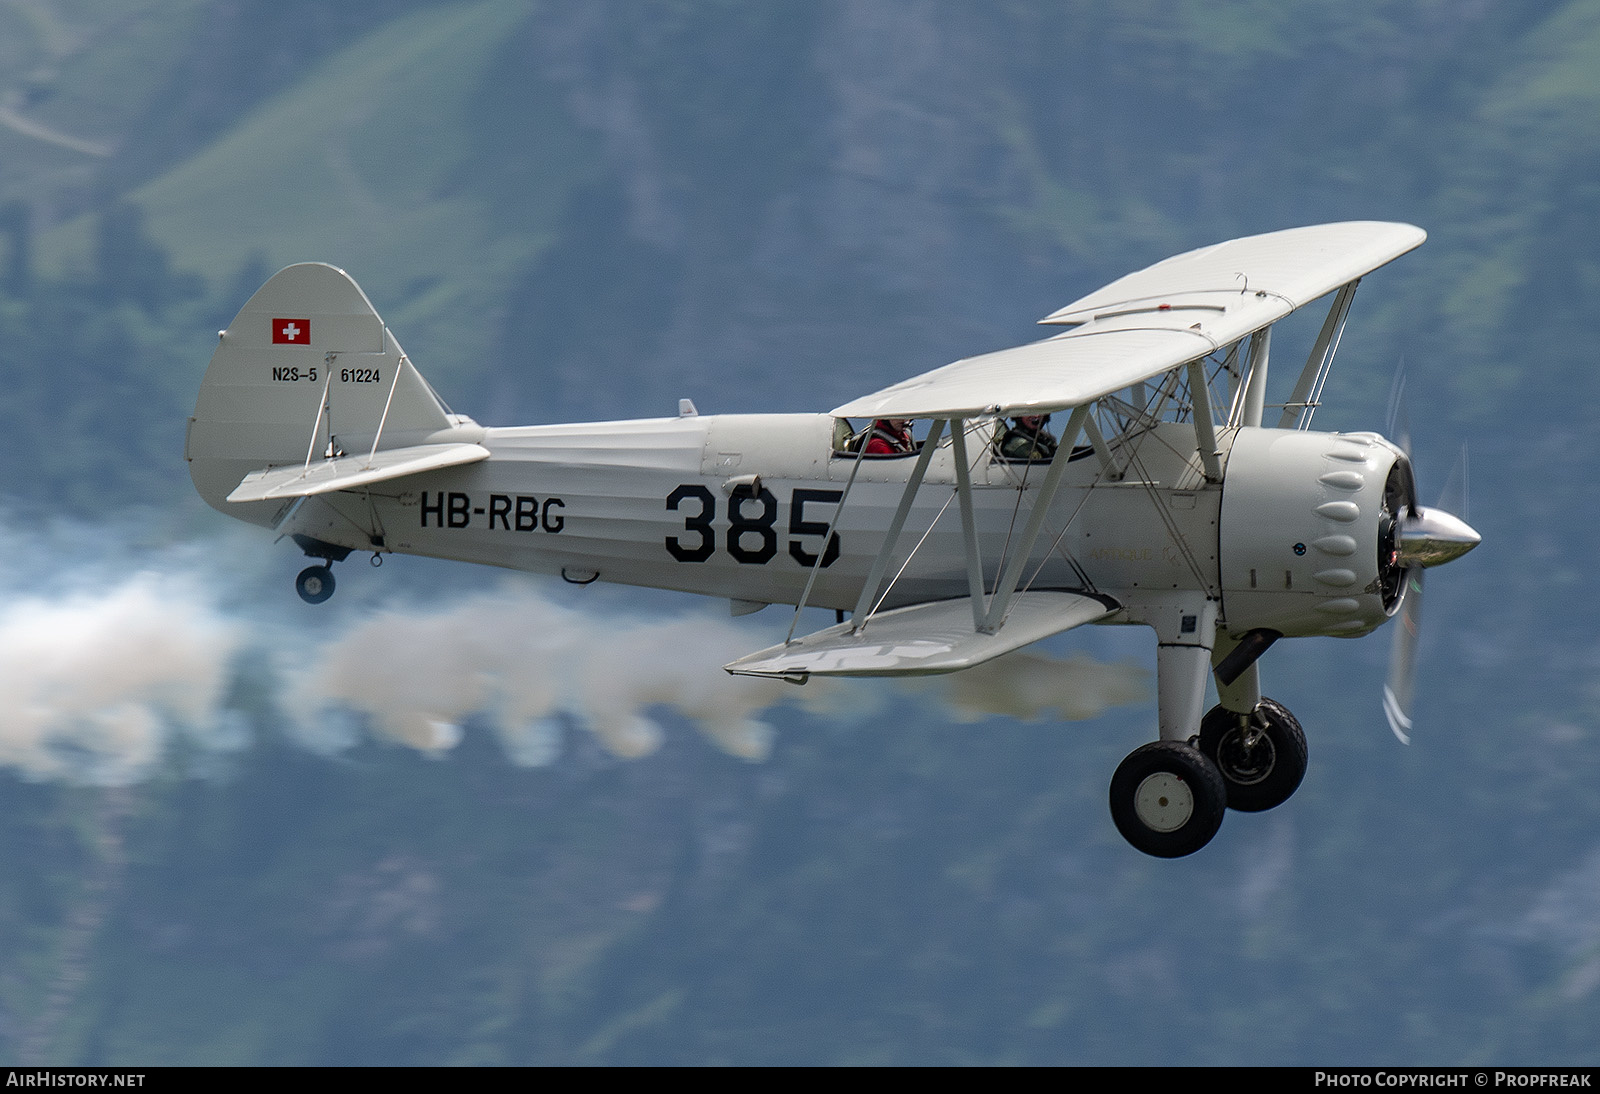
<point x="1030" y="687"/>
<point x="529" y="666"/>
<point x="97" y="685"/>
<point x="102" y="675"/>
<point x="526" y="666"/>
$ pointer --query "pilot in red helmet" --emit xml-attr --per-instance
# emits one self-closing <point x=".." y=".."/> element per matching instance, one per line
<point x="889" y="437"/>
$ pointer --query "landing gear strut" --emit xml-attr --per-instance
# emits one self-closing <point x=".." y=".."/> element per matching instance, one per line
<point x="1168" y="799"/>
<point x="1262" y="755"/>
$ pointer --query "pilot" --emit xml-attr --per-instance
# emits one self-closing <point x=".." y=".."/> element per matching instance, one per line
<point x="890" y="437"/>
<point x="1028" y="439"/>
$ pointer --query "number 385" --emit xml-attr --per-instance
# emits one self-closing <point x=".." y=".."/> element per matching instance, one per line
<point x="751" y="535"/>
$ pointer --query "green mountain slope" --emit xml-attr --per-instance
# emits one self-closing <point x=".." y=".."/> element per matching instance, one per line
<point x="384" y="160"/>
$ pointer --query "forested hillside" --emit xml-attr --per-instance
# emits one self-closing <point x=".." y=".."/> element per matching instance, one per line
<point x="273" y="840"/>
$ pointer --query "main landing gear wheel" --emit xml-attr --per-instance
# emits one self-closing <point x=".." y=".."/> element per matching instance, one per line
<point x="1261" y="763"/>
<point x="315" y="584"/>
<point x="1168" y="799"/>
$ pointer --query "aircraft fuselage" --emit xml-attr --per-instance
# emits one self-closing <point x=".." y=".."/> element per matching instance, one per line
<point x="738" y="506"/>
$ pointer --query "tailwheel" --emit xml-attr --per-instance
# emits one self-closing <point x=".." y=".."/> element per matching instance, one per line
<point x="1262" y="757"/>
<point x="315" y="584"/>
<point x="1167" y="799"/>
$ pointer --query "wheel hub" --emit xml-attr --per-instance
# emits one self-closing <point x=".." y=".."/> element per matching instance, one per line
<point x="1246" y="758"/>
<point x="1163" y="802"/>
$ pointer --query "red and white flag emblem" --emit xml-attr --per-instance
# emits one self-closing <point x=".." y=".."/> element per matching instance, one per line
<point x="291" y="332"/>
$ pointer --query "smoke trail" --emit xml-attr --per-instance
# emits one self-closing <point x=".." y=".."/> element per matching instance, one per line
<point x="98" y="684"/>
<point x="103" y="675"/>
<point x="1029" y="687"/>
<point x="528" y="666"/>
<point x="525" y="664"/>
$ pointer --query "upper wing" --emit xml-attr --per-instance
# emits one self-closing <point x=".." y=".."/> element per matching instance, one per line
<point x="1148" y="322"/>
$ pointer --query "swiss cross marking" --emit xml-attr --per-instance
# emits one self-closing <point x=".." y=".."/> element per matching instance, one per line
<point x="291" y="332"/>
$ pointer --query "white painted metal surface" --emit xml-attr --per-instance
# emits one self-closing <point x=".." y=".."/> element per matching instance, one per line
<point x="1164" y="802"/>
<point x="307" y="369"/>
<point x="1298" y="540"/>
<point x="1148" y="322"/>
<point x="350" y="472"/>
<point x="923" y="639"/>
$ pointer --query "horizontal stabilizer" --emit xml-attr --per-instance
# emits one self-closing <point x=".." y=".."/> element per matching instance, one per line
<point x="924" y="638"/>
<point x="348" y="472"/>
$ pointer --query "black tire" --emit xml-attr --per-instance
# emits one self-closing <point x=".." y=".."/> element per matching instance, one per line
<point x="315" y="584"/>
<point x="1167" y="799"/>
<point x="1263" y="774"/>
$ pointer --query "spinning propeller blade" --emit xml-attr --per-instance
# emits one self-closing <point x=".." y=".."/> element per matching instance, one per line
<point x="1398" y="426"/>
<point x="1401" y="685"/>
<point x="1424" y="537"/>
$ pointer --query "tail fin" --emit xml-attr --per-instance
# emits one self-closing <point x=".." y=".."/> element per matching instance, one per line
<point x="306" y="370"/>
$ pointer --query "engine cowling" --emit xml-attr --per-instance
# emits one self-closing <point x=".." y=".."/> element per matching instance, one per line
<point x="1307" y="537"/>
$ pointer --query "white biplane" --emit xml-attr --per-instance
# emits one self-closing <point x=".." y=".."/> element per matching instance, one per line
<point x="1167" y="501"/>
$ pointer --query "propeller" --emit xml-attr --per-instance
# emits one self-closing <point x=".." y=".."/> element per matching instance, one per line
<point x="1400" y="687"/>
<point x="1416" y="538"/>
